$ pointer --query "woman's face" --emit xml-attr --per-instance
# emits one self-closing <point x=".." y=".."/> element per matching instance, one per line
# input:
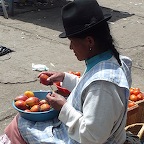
<point x="80" y="47"/>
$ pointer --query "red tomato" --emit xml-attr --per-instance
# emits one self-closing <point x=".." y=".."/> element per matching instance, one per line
<point x="71" y="72"/>
<point x="140" y="96"/>
<point x="143" y="95"/>
<point x="136" y="92"/>
<point x="27" y="110"/>
<point x="78" y="74"/>
<point x="130" y="104"/>
<point x="21" y="104"/>
<point x="43" y="79"/>
<point x="131" y="91"/>
<point x="137" y="89"/>
<point x="58" y="83"/>
<point x="45" y="107"/>
<point x="133" y="97"/>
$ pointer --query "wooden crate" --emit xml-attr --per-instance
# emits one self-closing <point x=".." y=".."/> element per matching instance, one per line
<point x="140" y="115"/>
<point x="132" y="114"/>
<point x="135" y="114"/>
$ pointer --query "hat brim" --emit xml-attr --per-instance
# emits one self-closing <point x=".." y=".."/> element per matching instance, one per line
<point x="63" y="34"/>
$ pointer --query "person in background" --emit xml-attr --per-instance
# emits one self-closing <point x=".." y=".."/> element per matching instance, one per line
<point x="96" y="110"/>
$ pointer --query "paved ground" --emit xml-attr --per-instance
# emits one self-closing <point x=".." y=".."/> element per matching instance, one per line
<point x="33" y="35"/>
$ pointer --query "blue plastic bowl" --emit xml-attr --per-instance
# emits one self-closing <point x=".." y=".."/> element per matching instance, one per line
<point x="38" y="116"/>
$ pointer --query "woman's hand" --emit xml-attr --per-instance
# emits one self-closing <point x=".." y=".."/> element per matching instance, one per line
<point x="53" y="77"/>
<point x="55" y="100"/>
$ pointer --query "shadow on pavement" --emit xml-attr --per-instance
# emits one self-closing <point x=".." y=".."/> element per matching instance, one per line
<point x="49" y="14"/>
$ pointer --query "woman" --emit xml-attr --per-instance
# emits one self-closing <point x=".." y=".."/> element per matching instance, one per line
<point x="96" y="110"/>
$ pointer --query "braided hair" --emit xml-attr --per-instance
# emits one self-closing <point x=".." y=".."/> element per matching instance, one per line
<point x="105" y="40"/>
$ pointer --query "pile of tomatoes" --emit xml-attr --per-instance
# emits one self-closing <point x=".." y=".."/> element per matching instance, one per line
<point x="75" y="73"/>
<point x="29" y="103"/>
<point x="135" y="95"/>
<point x="64" y="91"/>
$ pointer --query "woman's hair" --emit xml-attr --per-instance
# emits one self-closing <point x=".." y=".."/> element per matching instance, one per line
<point x="103" y="38"/>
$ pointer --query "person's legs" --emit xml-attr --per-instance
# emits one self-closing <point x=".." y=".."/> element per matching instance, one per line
<point x="13" y="133"/>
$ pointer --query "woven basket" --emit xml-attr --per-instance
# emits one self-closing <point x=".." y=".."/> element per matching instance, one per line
<point x="136" y="129"/>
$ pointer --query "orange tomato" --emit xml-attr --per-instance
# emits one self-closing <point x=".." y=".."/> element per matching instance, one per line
<point x="43" y="79"/>
<point x="27" y="110"/>
<point x="137" y="89"/>
<point x="131" y="91"/>
<point x="140" y="96"/>
<point x="143" y="95"/>
<point x="35" y="108"/>
<point x="71" y="72"/>
<point x="29" y="94"/>
<point x="136" y="92"/>
<point x="130" y="104"/>
<point x="78" y="74"/>
<point x="133" y="97"/>
<point x="32" y="101"/>
<point x="75" y="73"/>
<point x="21" y="104"/>
<point x="45" y="107"/>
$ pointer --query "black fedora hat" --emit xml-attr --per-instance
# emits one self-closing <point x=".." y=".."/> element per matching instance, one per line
<point x="79" y="16"/>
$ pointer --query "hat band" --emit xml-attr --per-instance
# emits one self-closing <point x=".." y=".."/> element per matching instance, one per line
<point x="78" y="28"/>
<point x="74" y="29"/>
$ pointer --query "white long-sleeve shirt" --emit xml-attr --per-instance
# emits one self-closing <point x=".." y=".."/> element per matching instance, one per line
<point x="102" y="108"/>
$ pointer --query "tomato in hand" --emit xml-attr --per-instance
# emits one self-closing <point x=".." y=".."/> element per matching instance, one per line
<point x="43" y="79"/>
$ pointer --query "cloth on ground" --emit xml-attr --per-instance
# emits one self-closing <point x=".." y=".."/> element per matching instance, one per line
<point x="5" y="50"/>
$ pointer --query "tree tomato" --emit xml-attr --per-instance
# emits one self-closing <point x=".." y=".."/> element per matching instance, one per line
<point x="143" y="95"/>
<point x="130" y="104"/>
<point x="78" y="74"/>
<point x="35" y="108"/>
<point x="43" y="79"/>
<point x="140" y="96"/>
<point x="45" y="107"/>
<point x="133" y="97"/>
<point x="29" y="94"/>
<point x="21" y="104"/>
<point x="58" y="83"/>
<point x="131" y="91"/>
<point x="136" y="92"/>
<point x="71" y="72"/>
<point x="32" y="101"/>
<point x="27" y="110"/>
<point x="138" y="89"/>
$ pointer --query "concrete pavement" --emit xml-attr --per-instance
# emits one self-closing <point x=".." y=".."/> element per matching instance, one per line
<point x="33" y="35"/>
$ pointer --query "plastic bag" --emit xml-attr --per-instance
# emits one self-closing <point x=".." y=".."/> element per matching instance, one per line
<point x="39" y="67"/>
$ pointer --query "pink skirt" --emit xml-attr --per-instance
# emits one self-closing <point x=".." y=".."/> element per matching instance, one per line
<point x="12" y="134"/>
